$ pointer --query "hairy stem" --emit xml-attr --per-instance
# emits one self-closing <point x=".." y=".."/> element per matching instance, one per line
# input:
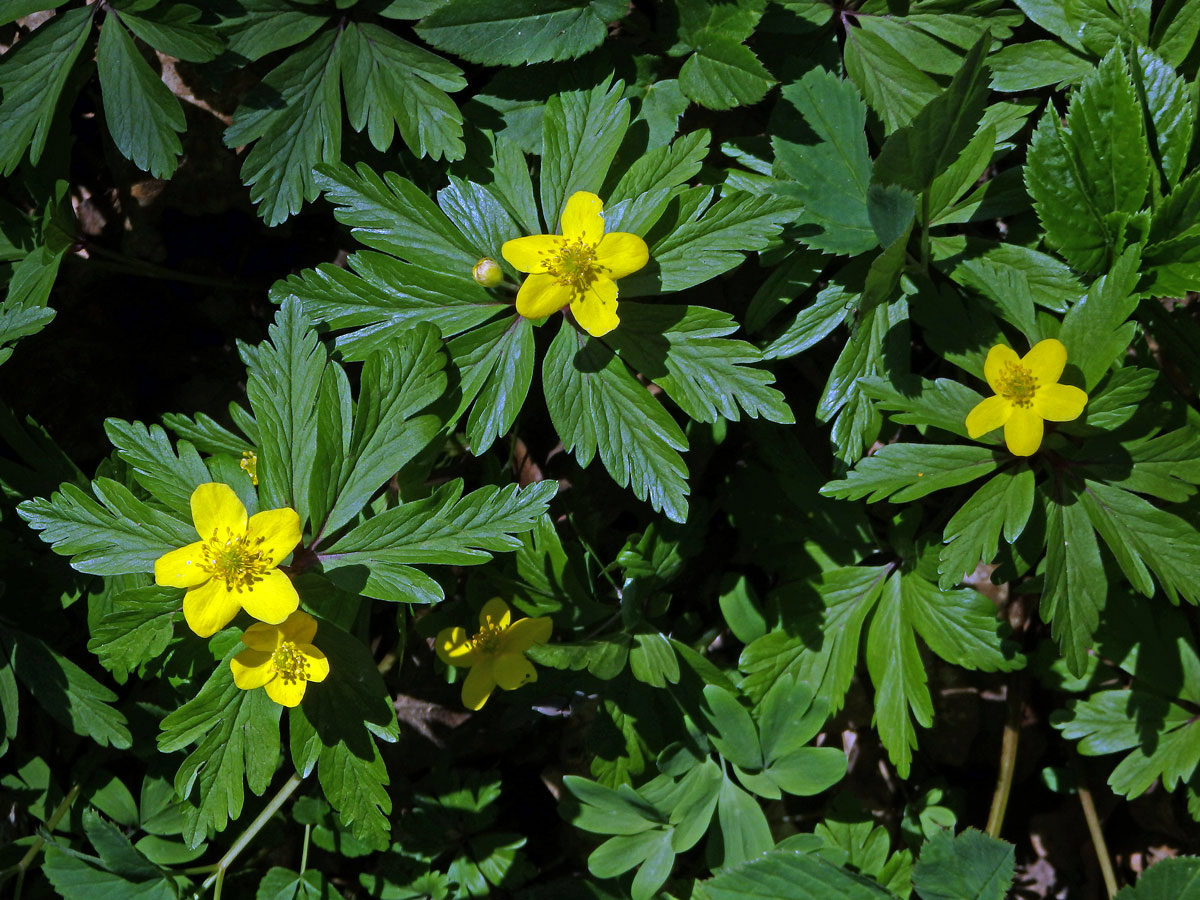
<point x="248" y="835"/>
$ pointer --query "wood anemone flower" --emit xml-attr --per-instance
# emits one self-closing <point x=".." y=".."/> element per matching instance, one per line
<point x="233" y="565"/>
<point x="1027" y="393"/>
<point x="495" y="653"/>
<point x="579" y="268"/>
<point x="280" y="658"/>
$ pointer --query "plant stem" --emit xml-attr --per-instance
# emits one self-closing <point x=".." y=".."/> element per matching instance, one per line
<point x="304" y="852"/>
<point x="141" y="267"/>
<point x="31" y="854"/>
<point x="1008" y="758"/>
<point x="248" y="835"/>
<point x="1093" y="824"/>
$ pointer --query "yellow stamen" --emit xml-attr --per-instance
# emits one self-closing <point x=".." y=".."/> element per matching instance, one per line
<point x="290" y="664"/>
<point x="1017" y="384"/>
<point x="249" y="465"/>
<point x="235" y="560"/>
<point x="488" y="639"/>
<point x="574" y="265"/>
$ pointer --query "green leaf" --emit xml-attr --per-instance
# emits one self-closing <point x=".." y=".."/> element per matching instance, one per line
<point x="735" y="736"/>
<point x="381" y="298"/>
<point x="1144" y="538"/>
<point x="137" y="628"/>
<point x="295" y="117"/>
<point x="788" y="875"/>
<point x="173" y="30"/>
<point x="685" y="352"/>
<point x="284" y="884"/>
<point x="1167" y="879"/>
<point x="206" y="434"/>
<point x="118" y="535"/>
<point x="723" y="73"/>
<point x="481" y="217"/>
<point x="597" y="405"/>
<point x="1034" y="64"/>
<point x="1072" y="597"/>
<point x="959" y="626"/>
<point x="375" y="557"/>
<point x="1172" y="118"/>
<point x="915" y="154"/>
<point x="237" y="737"/>
<point x="662" y="168"/>
<point x="283" y="377"/>
<point x="1094" y="331"/>
<point x="835" y="608"/>
<point x="910" y="471"/>
<point x="982" y="263"/>
<point x="393" y="215"/>
<point x="971" y="866"/>
<point x="605" y="810"/>
<point x="168" y="477"/>
<point x="32" y="79"/>
<point x="395" y="384"/>
<point x="830" y="164"/>
<point x="143" y="116"/>
<point x="269" y="25"/>
<point x="1086" y="178"/>
<point x="652" y="659"/>
<point x="815" y="322"/>
<point x="705" y="247"/>
<point x="973" y="533"/>
<point x="942" y="403"/>
<point x="496" y="363"/>
<point x="581" y="133"/>
<point x="519" y="31"/>
<point x="887" y="77"/>
<point x="64" y="691"/>
<point x="74" y="878"/>
<point x="745" y="833"/>
<point x="898" y="675"/>
<point x="390" y="83"/>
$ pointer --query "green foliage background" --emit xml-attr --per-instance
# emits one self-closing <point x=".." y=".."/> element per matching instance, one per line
<point x="809" y="639"/>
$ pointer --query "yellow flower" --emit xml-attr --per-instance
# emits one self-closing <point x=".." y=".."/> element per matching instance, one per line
<point x="495" y="653"/>
<point x="233" y="565"/>
<point x="1027" y="392"/>
<point x="281" y="658"/>
<point x="580" y="267"/>
<point x="249" y="465"/>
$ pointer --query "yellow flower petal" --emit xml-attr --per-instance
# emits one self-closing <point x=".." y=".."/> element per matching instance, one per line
<point x="261" y="636"/>
<point x="530" y="254"/>
<point x="209" y="607"/>
<point x="1023" y="432"/>
<point x="514" y="670"/>
<point x="581" y="220"/>
<point x="299" y="628"/>
<point x="1046" y="361"/>
<point x="318" y="664"/>
<point x="183" y="567"/>
<point x="454" y="647"/>
<point x="251" y="669"/>
<point x="988" y="415"/>
<point x="596" y="309"/>
<point x="215" y="507"/>
<point x="495" y="613"/>
<point x="479" y="683"/>
<point x="271" y="599"/>
<point x="997" y="357"/>
<point x="275" y="532"/>
<point x="1059" y="402"/>
<point x="286" y="693"/>
<point x="621" y="254"/>
<point x="541" y="295"/>
<point x="524" y="633"/>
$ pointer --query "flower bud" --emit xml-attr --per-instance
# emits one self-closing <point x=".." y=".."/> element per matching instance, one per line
<point x="487" y="272"/>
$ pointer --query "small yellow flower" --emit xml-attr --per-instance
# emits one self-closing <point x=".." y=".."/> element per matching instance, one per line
<point x="249" y="465"/>
<point x="495" y="654"/>
<point x="487" y="272"/>
<point x="280" y="658"/>
<point x="580" y="267"/>
<point x="233" y="565"/>
<point x="1027" y="392"/>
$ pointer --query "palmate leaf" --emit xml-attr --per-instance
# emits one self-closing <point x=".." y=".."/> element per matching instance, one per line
<point x="143" y="116"/>
<point x="971" y="866"/>
<point x="973" y="533"/>
<point x="832" y="172"/>
<point x="265" y="26"/>
<point x="519" y="31"/>
<point x="391" y="83"/>
<point x="237" y="737"/>
<point x="32" y="79"/>
<point x="1089" y="177"/>
<point x="1072" y="596"/>
<point x="137" y="628"/>
<point x="1172" y="117"/>
<point x="295" y="119"/>
<point x="596" y="404"/>
<point x="686" y="353"/>
<point x="170" y="478"/>
<point x="909" y="471"/>
<point x="496" y="362"/>
<point x="376" y="557"/>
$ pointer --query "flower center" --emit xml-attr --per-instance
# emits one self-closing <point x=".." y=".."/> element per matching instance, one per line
<point x="488" y="639"/>
<point x="575" y="264"/>
<point x="289" y="663"/>
<point x="1017" y="384"/>
<point x="235" y="560"/>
